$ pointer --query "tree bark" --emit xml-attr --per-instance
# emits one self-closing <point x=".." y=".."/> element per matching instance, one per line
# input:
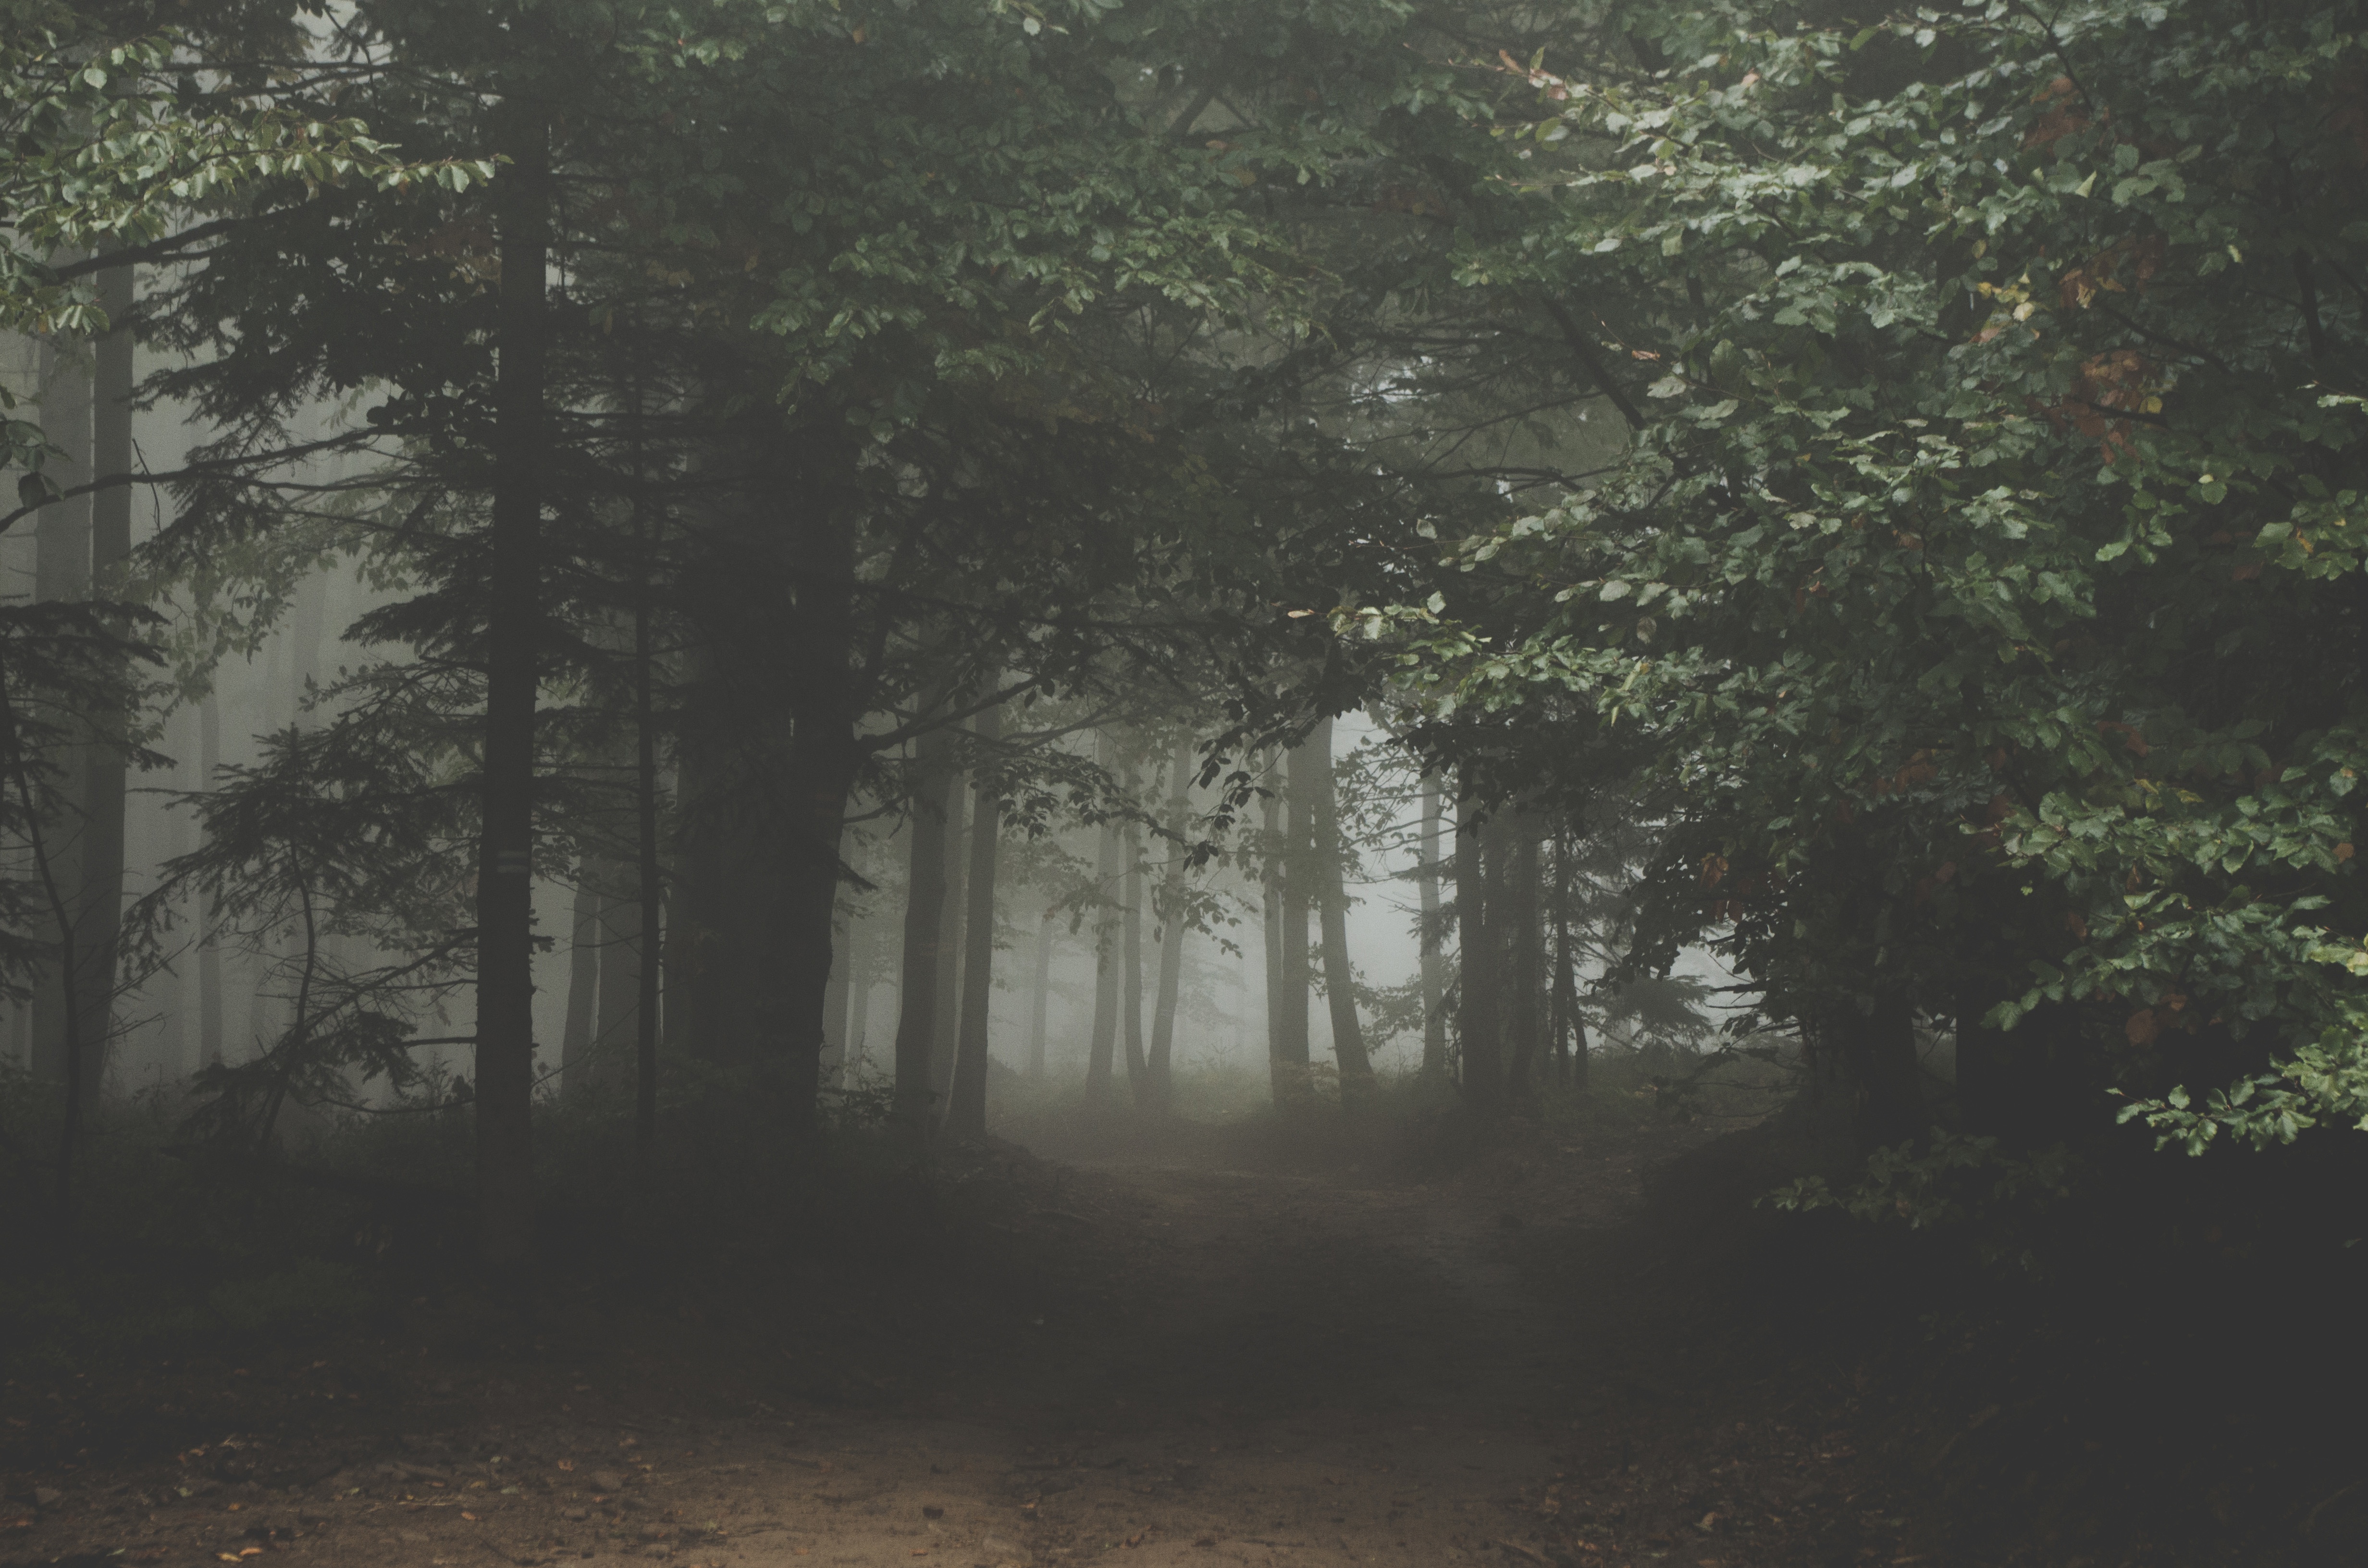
<point x="1102" y="1045"/>
<point x="1138" y="1066"/>
<point x="952" y="919"/>
<point x="583" y="979"/>
<point x="616" y="1026"/>
<point x="61" y="575"/>
<point x="931" y="784"/>
<point x="100" y="915"/>
<point x="649" y="872"/>
<point x="1171" y="934"/>
<point x="1525" y="946"/>
<point x="1298" y="884"/>
<point x="1348" y="1053"/>
<point x="1434" y="967"/>
<point x="505" y="883"/>
<point x="209" y="972"/>
<point x="1477" y="979"/>
<point x="1040" y="996"/>
<point x="1285" y="1079"/>
<point x="966" y="1115"/>
<point x="1569" y="1028"/>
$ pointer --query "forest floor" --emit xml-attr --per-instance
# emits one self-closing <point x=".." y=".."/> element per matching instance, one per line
<point x="1163" y="1351"/>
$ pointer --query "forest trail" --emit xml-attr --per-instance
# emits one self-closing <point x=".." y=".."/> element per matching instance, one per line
<point x="1159" y="1362"/>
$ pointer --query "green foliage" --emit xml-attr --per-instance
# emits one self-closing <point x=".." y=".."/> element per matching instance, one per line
<point x="1977" y="576"/>
<point x="1953" y="1182"/>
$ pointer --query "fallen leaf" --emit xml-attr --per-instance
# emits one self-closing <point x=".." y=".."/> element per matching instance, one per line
<point x="468" y="1515"/>
<point x="567" y="1464"/>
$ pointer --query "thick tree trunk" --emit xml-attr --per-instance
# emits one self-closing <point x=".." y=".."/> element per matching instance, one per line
<point x="504" y="881"/>
<point x="1171" y="933"/>
<point x="1477" y="979"/>
<point x="1434" y="967"/>
<point x="583" y="979"/>
<point x="1040" y="993"/>
<point x="1876" y="1050"/>
<point x="860" y="939"/>
<point x="209" y="970"/>
<point x="1349" y="1054"/>
<point x="931" y="784"/>
<point x="966" y="1115"/>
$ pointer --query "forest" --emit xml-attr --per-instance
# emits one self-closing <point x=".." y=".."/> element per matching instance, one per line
<point x="1214" y="781"/>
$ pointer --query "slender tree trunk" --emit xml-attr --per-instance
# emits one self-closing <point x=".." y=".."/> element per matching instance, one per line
<point x="1138" y="1066"/>
<point x="860" y="961"/>
<point x="504" y="881"/>
<point x="101" y="911"/>
<point x="1348" y="1053"/>
<point x="1434" y="967"/>
<point x="210" y="971"/>
<point x="61" y="575"/>
<point x="838" y="1004"/>
<point x="1570" y="1029"/>
<point x="1171" y="932"/>
<point x="1524" y="980"/>
<point x="1039" y="992"/>
<point x="1298" y="884"/>
<point x="950" y="946"/>
<point x="966" y="1115"/>
<point x="1477" y="981"/>
<point x="649" y="873"/>
<point x="1272" y="872"/>
<point x="1102" y="1045"/>
<point x="616" y="1026"/>
<point x="583" y="979"/>
<point x="931" y="786"/>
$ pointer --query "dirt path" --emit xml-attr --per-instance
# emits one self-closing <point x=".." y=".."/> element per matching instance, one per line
<point x="1175" y="1364"/>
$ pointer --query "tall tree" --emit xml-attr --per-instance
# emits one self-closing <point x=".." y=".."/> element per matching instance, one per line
<point x="1328" y="854"/>
<point x="966" y="1112"/>
<point x="1172" y="924"/>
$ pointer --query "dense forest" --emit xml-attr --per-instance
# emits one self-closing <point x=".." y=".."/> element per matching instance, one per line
<point x="976" y="743"/>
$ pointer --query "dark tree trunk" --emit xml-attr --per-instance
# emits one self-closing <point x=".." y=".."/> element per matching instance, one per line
<point x="616" y="1022"/>
<point x="966" y="1115"/>
<point x="1525" y="948"/>
<point x="100" y="914"/>
<point x="583" y="979"/>
<point x="649" y="873"/>
<point x="1570" y="1029"/>
<point x="61" y="575"/>
<point x="1138" y="1066"/>
<point x="1039" y="992"/>
<point x="1876" y="1050"/>
<point x="513" y="614"/>
<point x="949" y="945"/>
<point x="1171" y="933"/>
<point x="209" y="974"/>
<point x="1434" y="967"/>
<point x="931" y="786"/>
<point x="1271" y="872"/>
<point x="1102" y="1046"/>
<point x="1327" y="850"/>
<point x="1477" y="979"/>
<point x="1298" y="884"/>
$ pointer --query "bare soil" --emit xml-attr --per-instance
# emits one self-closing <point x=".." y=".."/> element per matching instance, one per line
<point x="1156" y="1351"/>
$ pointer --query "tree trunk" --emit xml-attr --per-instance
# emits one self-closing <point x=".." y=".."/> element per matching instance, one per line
<point x="1298" y="884"/>
<point x="1349" y="1054"/>
<point x="505" y="883"/>
<point x="1138" y="1066"/>
<point x="932" y="777"/>
<point x="1477" y="979"/>
<point x="616" y="1026"/>
<point x="1285" y="1080"/>
<point x="1877" y="1051"/>
<point x="100" y="917"/>
<point x="1526" y="946"/>
<point x="649" y="873"/>
<point x="966" y="1115"/>
<point x="1570" y="1027"/>
<point x="61" y="575"/>
<point x="209" y="970"/>
<point x="1434" y="968"/>
<point x="583" y="979"/>
<point x="952" y="919"/>
<point x="1171" y="933"/>
<point x="860" y="939"/>
<point x="1040" y="995"/>
<point x="1102" y="1045"/>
